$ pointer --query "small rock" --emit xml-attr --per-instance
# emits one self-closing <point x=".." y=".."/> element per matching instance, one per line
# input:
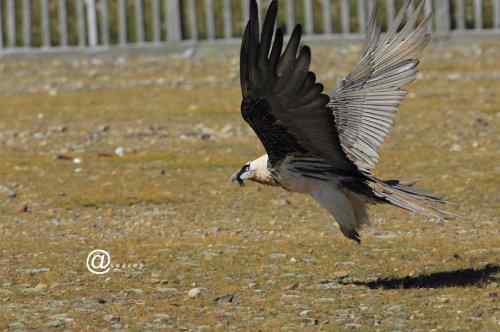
<point x="229" y="298"/>
<point x="161" y="318"/>
<point x="111" y="318"/>
<point x="16" y="326"/>
<point x="39" y="135"/>
<point x="103" y="128"/>
<point x="55" y="221"/>
<point x="341" y="274"/>
<point x="24" y="209"/>
<point x="194" y="292"/>
<point x="77" y="161"/>
<point x="134" y="291"/>
<point x="167" y="290"/>
<point x="5" y="292"/>
<point x="32" y="290"/>
<point x="41" y="286"/>
<point x="277" y="256"/>
<point x="7" y="191"/>
<point x="305" y="312"/>
<point x="55" y="323"/>
<point x="293" y="260"/>
<point x="455" y="148"/>
<point x="292" y="286"/>
<point x="64" y="157"/>
<point x="120" y="151"/>
<point x="37" y="270"/>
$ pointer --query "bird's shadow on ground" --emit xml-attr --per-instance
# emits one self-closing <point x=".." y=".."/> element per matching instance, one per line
<point x="457" y="278"/>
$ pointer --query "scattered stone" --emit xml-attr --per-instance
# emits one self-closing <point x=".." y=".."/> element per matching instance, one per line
<point x="161" y="318"/>
<point x="103" y="128"/>
<point x="24" y="209"/>
<point x="292" y="286"/>
<point x="304" y="313"/>
<point x="32" y="290"/>
<point x="111" y="318"/>
<point x="41" y="286"/>
<point x="134" y="291"/>
<point x="455" y="148"/>
<point x="195" y="292"/>
<point x="16" y="326"/>
<point x="277" y="256"/>
<point x="39" y="135"/>
<point x="64" y="157"/>
<point x="56" y="323"/>
<point x="55" y="221"/>
<point x="167" y="290"/>
<point x="5" y="292"/>
<point x="120" y="151"/>
<point x="341" y="274"/>
<point x="228" y="298"/>
<point x="37" y="270"/>
<point x="11" y="193"/>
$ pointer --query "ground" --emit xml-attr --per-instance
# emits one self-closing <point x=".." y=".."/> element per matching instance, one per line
<point x="133" y="153"/>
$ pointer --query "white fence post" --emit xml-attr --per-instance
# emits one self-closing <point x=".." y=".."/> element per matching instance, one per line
<point x="345" y="12"/>
<point x="174" y="32"/>
<point x="1" y="28"/>
<point x="63" y="23"/>
<point x="139" y="21"/>
<point x="390" y="11"/>
<point x="26" y="23"/>
<point x="155" y="16"/>
<point x="309" y="17"/>
<point x="80" y="13"/>
<point x="11" y="23"/>
<point x="45" y="24"/>
<point x="209" y="16"/>
<point x="122" y="23"/>
<point x="326" y="7"/>
<point x="228" y="21"/>
<point x="443" y="16"/>
<point x="290" y="16"/>
<point x="496" y="13"/>
<point x="91" y="23"/>
<point x="104" y="22"/>
<point x="478" y="14"/>
<point x="362" y="16"/>
<point x="193" y="22"/>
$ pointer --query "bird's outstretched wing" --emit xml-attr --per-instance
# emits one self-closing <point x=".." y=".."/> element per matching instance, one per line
<point x="282" y="101"/>
<point x="366" y="101"/>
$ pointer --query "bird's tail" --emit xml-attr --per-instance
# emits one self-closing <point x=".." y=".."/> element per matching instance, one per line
<point x="410" y="198"/>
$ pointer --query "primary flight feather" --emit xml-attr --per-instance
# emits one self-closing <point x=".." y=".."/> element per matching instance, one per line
<point x="327" y="146"/>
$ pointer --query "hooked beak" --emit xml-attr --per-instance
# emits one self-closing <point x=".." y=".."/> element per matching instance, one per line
<point x="236" y="177"/>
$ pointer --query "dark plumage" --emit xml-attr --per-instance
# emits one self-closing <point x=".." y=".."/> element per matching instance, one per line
<point x="324" y="146"/>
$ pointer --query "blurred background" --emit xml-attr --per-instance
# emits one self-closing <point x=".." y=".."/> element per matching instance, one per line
<point x="120" y="127"/>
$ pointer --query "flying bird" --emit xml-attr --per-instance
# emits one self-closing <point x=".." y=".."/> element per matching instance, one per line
<point x="327" y="146"/>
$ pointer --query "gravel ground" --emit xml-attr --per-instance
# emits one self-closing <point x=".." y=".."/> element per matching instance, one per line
<point x="132" y="154"/>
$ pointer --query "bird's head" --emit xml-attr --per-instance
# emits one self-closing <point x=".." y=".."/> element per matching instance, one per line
<point x="255" y="170"/>
<point x="245" y="172"/>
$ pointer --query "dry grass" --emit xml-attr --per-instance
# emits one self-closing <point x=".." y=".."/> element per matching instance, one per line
<point x="167" y="203"/>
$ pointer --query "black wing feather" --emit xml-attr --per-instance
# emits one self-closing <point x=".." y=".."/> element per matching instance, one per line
<point x="281" y="100"/>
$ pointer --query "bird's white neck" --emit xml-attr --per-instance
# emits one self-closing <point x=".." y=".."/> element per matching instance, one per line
<point x="261" y="173"/>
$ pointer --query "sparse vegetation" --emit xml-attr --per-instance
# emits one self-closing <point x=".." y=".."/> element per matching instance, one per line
<point x="264" y="259"/>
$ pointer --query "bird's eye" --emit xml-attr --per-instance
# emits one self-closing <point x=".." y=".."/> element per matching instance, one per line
<point x="246" y="168"/>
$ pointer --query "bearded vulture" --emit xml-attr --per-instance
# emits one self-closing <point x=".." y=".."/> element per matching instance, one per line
<point x="327" y="146"/>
